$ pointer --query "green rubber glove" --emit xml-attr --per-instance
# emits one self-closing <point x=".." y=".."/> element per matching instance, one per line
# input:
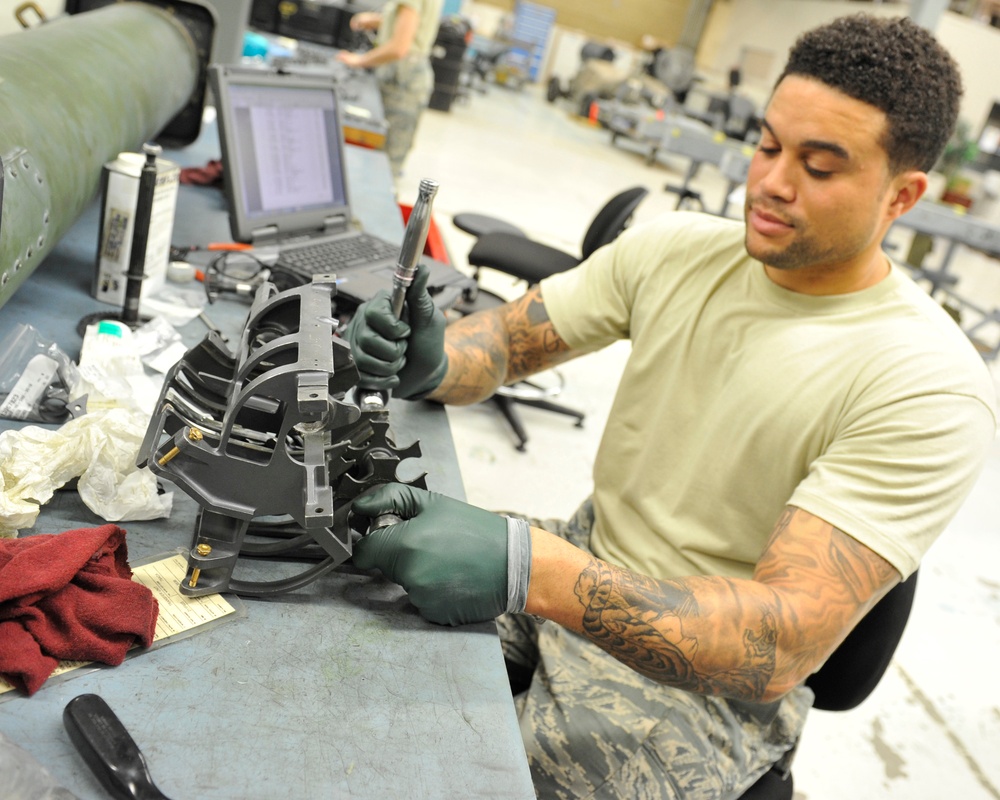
<point x="405" y="355"/>
<point x="450" y="557"/>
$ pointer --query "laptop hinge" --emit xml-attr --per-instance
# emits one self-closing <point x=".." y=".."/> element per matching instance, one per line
<point x="266" y="234"/>
<point x="335" y="222"/>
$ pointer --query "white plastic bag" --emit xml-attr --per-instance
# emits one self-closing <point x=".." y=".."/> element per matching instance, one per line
<point x="111" y="370"/>
<point x="35" y="377"/>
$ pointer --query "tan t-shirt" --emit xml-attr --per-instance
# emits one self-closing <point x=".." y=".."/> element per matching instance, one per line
<point x="427" y="27"/>
<point x="870" y="410"/>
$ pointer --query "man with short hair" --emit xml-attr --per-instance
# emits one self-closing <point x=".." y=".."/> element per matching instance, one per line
<point x="796" y="424"/>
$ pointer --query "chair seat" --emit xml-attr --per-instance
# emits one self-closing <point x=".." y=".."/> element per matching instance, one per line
<point x="481" y="224"/>
<point x="523" y="258"/>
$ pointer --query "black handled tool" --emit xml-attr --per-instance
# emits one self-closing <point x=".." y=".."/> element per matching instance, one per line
<point x="112" y="755"/>
<point x="140" y="235"/>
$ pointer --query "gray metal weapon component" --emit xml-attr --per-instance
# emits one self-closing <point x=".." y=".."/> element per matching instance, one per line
<point x="267" y="443"/>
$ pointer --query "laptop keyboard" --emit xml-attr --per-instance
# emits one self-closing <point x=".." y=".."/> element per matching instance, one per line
<point x="338" y="255"/>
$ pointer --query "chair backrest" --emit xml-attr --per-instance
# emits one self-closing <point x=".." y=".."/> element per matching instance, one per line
<point x="612" y="219"/>
<point x="856" y="667"/>
<point x="850" y="674"/>
<point x="596" y="50"/>
<point x="741" y="117"/>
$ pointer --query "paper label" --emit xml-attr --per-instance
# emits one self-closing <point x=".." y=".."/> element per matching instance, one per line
<point x="178" y="613"/>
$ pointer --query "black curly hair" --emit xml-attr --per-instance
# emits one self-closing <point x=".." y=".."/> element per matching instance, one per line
<point x="895" y="65"/>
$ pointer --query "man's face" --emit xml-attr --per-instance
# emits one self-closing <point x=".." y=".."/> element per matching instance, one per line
<point x="818" y="188"/>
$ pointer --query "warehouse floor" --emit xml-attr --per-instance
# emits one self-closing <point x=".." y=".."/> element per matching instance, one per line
<point x="932" y="727"/>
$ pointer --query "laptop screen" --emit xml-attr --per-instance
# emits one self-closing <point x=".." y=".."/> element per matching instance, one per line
<point x="282" y="152"/>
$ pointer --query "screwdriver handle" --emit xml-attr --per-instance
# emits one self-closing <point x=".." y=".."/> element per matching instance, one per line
<point x="109" y="750"/>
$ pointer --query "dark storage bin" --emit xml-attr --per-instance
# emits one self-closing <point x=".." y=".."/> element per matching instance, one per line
<point x="446" y="60"/>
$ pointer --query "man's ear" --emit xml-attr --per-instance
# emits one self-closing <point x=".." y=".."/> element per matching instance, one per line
<point x="904" y="192"/>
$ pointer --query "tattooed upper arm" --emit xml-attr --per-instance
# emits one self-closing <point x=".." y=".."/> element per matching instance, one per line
<point x="534" y="343"/>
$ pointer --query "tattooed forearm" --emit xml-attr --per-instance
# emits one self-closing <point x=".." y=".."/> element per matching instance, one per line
<point x="477" y="361"/>
<point x="654" y="627"/>
<point x="497" y="347"/>
<point x="753" y="639"/>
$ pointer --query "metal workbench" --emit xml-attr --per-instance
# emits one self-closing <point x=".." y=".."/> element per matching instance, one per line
<point x="336" y="690"/>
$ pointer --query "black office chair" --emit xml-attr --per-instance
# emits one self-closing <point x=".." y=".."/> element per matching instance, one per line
<point x="505" y="247"/>
<point x="851" y="673"/>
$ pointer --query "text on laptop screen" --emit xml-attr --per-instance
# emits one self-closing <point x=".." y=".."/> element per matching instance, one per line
<point x="286" y="145"/>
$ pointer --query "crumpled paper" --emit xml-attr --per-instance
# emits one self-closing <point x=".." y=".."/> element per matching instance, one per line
<point x="100" y="448"/>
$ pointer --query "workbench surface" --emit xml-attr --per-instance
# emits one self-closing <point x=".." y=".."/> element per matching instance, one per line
<point x="339" y="689"/>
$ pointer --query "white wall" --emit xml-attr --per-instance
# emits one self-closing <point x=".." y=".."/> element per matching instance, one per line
<point x="773" y="25"/>
<point x="976" y="48"/>
<point x="768" y="27"/>
<point x="485" y="18"/>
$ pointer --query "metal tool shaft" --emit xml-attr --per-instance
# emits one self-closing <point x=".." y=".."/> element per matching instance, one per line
<point x="414" y="239"/>
<point x="141" y="220"/>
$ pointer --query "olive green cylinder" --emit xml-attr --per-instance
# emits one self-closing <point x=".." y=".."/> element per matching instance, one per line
<point x="74" y="93"/>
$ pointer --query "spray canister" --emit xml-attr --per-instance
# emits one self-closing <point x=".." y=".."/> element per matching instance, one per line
<point x="120" y="180"/>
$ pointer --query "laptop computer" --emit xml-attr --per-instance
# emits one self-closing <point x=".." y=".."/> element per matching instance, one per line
<point x="283" y="166"/>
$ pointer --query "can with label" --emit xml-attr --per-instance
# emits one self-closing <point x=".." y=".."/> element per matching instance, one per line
<point x="119" y="193"/>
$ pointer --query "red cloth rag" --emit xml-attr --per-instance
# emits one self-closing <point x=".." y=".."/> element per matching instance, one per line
<point x="69" y="596"/>
<point x="208" y="175"/>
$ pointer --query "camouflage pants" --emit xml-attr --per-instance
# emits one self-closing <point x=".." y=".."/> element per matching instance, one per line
<point x="594" y="728"/>
<point x="406" y="87"/>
